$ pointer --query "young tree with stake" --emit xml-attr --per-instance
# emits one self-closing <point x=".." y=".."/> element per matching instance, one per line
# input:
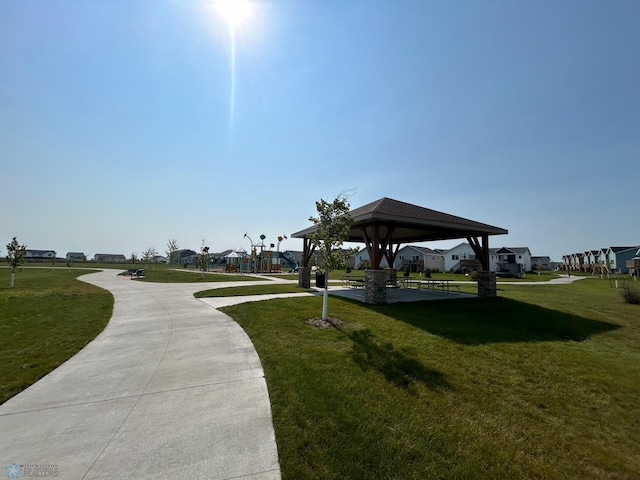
<point x="15" y="255"/>
<point x="332" y="229"/>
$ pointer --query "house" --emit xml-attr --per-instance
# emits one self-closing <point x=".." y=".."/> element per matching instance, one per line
<point x="460" y="258"/>
<point x="510" y="259"/>
<point x="634" y="264"/>
<point x="159" y="259"/>
<point x="75" y="257"/>
<point x="591" y="260"/>
<point x="617" y="258"/>
<point x="109" y="258"/>
<point x="39" y="254"/>
<point x="220" y="257"/>
<point x="419" y="259"/>
<point x="186" y="257"/>
<point x="577" y="261"/>
<point x="541" y="263"/>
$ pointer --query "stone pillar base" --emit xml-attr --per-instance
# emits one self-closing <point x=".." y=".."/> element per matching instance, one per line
<point x="375" y="286"/>
<point x="486" y="284"/>
<point x="304" y="277"/>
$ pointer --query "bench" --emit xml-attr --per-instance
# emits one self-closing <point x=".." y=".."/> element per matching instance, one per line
<point x="136" y="272"/>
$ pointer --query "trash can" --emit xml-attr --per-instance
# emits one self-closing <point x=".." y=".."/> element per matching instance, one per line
<point x="320" y="279"/>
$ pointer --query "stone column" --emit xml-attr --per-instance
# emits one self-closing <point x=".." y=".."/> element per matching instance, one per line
<point x="304" y="277"/>
<point x="486" y="284"/>
<point x="375" y="286"/>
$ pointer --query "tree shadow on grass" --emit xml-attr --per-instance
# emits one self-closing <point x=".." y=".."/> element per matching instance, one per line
<point x="398" y="367"/>
<point x="480" y="321"/>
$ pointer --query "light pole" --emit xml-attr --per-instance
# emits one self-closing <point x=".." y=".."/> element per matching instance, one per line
<point x="250" y="249"/>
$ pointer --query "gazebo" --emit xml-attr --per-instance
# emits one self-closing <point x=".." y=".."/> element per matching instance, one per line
<point x="386" y="224"/>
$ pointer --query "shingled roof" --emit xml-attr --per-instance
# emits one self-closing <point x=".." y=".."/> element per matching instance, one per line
<point x="411" y="223"/>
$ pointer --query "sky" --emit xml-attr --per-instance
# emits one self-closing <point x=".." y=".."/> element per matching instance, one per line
<point x="126" y="123"/>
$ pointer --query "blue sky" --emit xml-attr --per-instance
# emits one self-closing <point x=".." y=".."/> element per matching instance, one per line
<point x="116" y="130"/>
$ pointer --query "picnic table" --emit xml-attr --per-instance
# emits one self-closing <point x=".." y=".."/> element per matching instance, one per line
<point x="353" y="281"/>
<point x="430" y="285"/>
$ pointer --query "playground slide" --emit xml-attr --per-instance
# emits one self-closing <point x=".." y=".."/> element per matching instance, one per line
<point x="289" y="258"/>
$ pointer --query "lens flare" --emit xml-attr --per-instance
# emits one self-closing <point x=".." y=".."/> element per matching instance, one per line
<point x="234" y="12"/>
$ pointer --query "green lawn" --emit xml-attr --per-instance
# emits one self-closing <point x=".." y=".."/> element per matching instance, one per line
<point x="166" y="275"/>
<point x="252" y="290"/>
<point x="541" y="382"/>
<point x="44" y="320"/>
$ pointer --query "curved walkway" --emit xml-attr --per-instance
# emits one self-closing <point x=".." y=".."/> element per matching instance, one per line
<point x="172" y="388"/>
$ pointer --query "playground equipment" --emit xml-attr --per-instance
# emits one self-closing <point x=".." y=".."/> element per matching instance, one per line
<point x="260" y="259"/>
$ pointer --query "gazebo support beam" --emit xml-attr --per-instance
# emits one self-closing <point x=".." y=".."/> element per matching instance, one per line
<point x="307" y="251"/>
<point x="480" y="247"/>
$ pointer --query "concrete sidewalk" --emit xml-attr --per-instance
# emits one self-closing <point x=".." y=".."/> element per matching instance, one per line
<point x="172" y="388"/>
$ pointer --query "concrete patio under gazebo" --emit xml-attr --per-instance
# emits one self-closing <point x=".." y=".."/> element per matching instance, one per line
<point x="386" y="224"/>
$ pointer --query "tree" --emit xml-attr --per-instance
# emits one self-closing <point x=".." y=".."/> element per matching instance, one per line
<point x="332" y="229"/>
<point x="149" y="256"/>
<point x="134" y="258"/>
<point x="203" y="259"/>
<point x="172" y="252"/>
<point x="15" y="255"/>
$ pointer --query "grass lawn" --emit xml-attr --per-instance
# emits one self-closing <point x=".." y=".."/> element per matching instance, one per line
<point x="251" y="290"/>
<point x="44" y="320"/>
<point x="164" y="275"/>
<point x="541" y="382"/>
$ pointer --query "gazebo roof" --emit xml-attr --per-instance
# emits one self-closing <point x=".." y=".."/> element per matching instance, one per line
<point x="410" y="223"/>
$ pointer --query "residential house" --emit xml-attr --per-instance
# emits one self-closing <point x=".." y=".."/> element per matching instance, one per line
<point x="591" y="260"/>
<point x="419" y="259"/>
<point x="75" y="257"/>
<point x="186" y="257"/>
<point x="39" y="254"/>
<point x="540" y="263"/>
<point x="109" y="258"/>
<point x="510" y="259"/>
<point x="633" y="265"/>
<point x="577" y="261"/>
<point x="220" y="257"/>
<point x="460" y="258"/>
<point x="617" y="258"/>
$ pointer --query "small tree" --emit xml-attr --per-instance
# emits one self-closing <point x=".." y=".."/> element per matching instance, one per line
<point x="203" y="259"/>
<point x="134" y="258"/>
<point x="149" y="256"/>
<point x="172" y="252"/>
<point x="332" y="229"/>
<point x="15" y="255"/>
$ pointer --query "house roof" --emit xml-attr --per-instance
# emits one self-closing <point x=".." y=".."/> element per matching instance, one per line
<point x="222" y="254"/>
<point x="423" y="250"/>
<point x="621" y="249"/>
<point x="411" y="223"/>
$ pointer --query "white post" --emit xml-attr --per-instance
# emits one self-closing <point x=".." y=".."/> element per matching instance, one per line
<point x="325" y="297"/>
<point x="11" y="282"/>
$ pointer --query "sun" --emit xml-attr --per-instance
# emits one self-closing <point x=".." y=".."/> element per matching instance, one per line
<point x="234" y="12"/>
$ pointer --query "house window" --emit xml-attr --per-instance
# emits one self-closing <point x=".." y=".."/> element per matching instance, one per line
<point x="455" y="257"/>
<point x="519" y="257"/>
<point x="416" y="258"/>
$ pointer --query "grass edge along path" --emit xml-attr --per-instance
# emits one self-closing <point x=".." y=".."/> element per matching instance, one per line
<point x="46" y="318"/>
<point x="541" y="382"/>
<point x="269" y="289"/>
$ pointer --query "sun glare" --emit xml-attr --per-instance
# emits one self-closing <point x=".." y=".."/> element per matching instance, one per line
<point x="234" y="12"/>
